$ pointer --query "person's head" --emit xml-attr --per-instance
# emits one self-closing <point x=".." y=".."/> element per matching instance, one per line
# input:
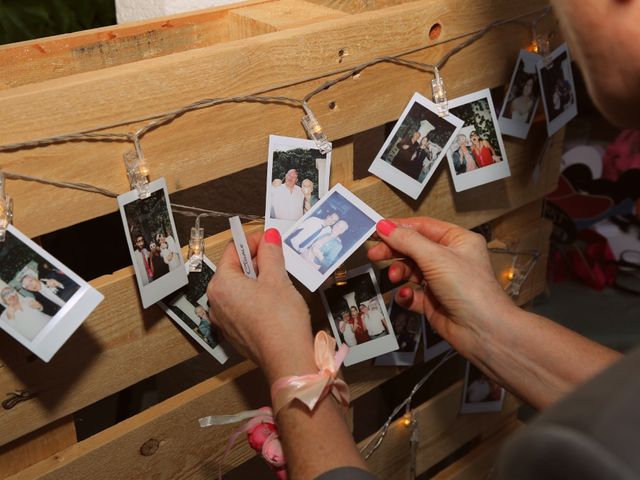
<point x="30" y="283"/>
<point x="345" y="315"/>
<point x="202" y="313"/>
<point x="527" y="88"/>
<point x="424" y="142"/>
<point x="138" y="242"/>
<point x="363" y="308"/>
<point x="307" y="187"/>
<point x="9" y="296"/>
<point x="276" y="182"/>
<point x="354" y="312"/>
<point x="163" y="243"/>
<point x="331" y="219"/>
<point x="474" y="137"/>
<point x="153" y="247"/>
<point x="339" y="228"/>
<point x="291" y="178"/>
<point x="160" y="238"/>
<point x="415" y="136"/>
<point x="462" y="139"/>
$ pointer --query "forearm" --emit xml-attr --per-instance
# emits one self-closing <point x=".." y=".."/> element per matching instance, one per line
<point x="539" y="360"/>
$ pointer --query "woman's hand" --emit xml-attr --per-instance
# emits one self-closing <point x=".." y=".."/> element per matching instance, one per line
<point x="266" y="319"/>
<point x="461" y="297"/>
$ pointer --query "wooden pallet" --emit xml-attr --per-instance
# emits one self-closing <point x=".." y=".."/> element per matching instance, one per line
<point x="87" y="79"/>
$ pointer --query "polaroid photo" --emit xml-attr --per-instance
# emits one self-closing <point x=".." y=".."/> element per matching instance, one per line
<point x="297" y="177"/>
<point x="416" y="146"/>
<point x="477" y="155"/>
<point x="327" y="235"/>
<point x="42" y="302"/>
<point x="480" y="394"/>
<point x="558" y="89"/>
<point x="408" y="327"/>
<point x="434" y="344"/>
<point x="358" y="316"/>
<point x="153" y="242"/>
<point x="189" y="308"/>
<point x="523" y="97"/>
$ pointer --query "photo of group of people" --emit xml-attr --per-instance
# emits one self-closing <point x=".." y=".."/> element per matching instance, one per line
<point x="41" y="301"/>
<point x="189" y="308"/>
<point x="358" y="316"/>
<point x="326" y="235"/>
<point x="478" y="155"/>
<point x="523" y="97"/>
<point x="558" y="89"/>
<point x="480" y="393"/>
<point x="415" y="147"/>
<point x="408" y="327"/>
<point x="297" y="177"/>
<point x="155" y="252"/>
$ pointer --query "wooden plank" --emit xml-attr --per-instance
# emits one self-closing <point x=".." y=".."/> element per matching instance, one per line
<point x="214" y="136"/>
<point x="441" y="432"/>
<point x="37" y="446"/>
<point x="103" y="357"/>
<point x="358" y="6"/>
<point x="478" y="463"/>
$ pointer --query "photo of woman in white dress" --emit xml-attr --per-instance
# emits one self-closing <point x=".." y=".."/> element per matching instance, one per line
<point x="22" y="314"/>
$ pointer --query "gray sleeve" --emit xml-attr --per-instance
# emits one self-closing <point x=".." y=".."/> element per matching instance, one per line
<point x="346" y="473"/>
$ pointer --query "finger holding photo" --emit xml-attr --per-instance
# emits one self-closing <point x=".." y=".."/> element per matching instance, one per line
<point x="297" y="177"/>
<point x="153" y="242"/>
<point x="478" y="155"/>
<point x="42" y="302"/>
<point x="358" y="316"/>
<point x="416" y="146"/>
<point x="558" y="89"/>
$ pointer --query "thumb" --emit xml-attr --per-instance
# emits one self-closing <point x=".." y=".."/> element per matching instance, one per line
<point x="269" y="257"/>
<point x="407" y="241"/>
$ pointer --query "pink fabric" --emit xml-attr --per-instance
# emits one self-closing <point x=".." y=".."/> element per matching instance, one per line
<point x="623" y="154"/>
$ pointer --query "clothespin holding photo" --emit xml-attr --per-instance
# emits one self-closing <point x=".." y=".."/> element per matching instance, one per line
<point x="196" y="247"/>
<point x="138" y="172"/>
<point x="6" y="208"/>
<point x="314" y="130"/>
<point x="439" y="94"/>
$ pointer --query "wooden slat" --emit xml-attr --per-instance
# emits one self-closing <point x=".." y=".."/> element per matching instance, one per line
<point x="441" y="432"/>
<point x="478" y="463"/>
<point x="185" y="150"/>
<point x="35" y="447"/>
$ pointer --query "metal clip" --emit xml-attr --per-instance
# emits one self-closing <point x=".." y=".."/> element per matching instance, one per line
<point x="439" y="94"/>
<point x="6" y="209"/>
<point x="138" y="173"/>
<point x="315" y="132"/>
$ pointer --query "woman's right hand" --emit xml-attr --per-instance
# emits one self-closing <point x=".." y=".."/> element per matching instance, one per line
<point x="461" y="297"/>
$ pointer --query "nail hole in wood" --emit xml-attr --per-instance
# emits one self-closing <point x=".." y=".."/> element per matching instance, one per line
<point x="435" y="31"/>
<point x="332" y="105"/>
<point x="149" y="447"/>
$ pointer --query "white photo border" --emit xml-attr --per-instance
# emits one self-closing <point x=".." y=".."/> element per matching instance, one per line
<point x="216" y="352"/>
<point x="276" y="141"/>
<point x="70" y="316"/>
<point x="170" y="282"/>
<point x="490" y="173"/>
<point x="398" y="358"/>
<point x="399" y="179"/>
<point x="299" y="268"/>
<point x="479" y="407"/>
<point x="438" y="349"/>
<point x="372" y="348"/>
<point x="512" y="127"/>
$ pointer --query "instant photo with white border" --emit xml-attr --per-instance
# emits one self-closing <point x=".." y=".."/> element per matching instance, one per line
<point x="517" y="127"/>
<point x="278" y="143"/>
<point x="302" y="268"/>
<point x="218" y="351"/>
<point x="433" y="349"/>
<point x="396" y="177"/>
<point x="155" y="290"/>
<point x="67" y="319"/>
<point x="402" y="358"/>
<point x="478" y="387"/>
<point x="544" y="65"/>
<point x="375" y="347"/>
<point x="482" y="175"/>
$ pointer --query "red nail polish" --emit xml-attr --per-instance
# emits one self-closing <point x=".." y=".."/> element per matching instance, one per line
<point x="272" y="235"/>
<point x="404" y="293"/>
<point x="385" y="227"/>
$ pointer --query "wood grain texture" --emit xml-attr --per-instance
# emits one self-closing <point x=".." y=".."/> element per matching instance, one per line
<point x="204" y="145"/>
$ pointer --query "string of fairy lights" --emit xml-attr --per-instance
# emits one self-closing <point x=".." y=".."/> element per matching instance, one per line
<point x="138" y="171"/>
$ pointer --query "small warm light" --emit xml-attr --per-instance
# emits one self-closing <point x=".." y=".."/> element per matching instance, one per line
<point x="511" y="274"/>
<point x="196" y="249"/>
<point x="316" y="133"/>
<point x="534" y="47"/>
<point x="406" y="420"/>
<point x="440" y="95"/>
<point x="138" y="173"/>
<point x="340" y="276"/>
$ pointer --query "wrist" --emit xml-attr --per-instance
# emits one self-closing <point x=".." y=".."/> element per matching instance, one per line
<point x="293" y="360"/>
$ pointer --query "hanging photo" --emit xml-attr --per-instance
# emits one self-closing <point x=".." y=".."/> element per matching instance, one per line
<point x="42" y="302"/>
<point x="478" y="155"/>
<point x="189" y="308"/>
<point x="297" y="177"/>
<point x="408" y="327"/>
<point x="434" y="344"/>
<point x="523" y="97"/>
<point x="327" y="235"/>
<point x="480" y="394"/>
<point x="358" y="316"/>
<point x="415" y="147"/>
<point x="558" y="89"/>
<point x="153" y="242"/>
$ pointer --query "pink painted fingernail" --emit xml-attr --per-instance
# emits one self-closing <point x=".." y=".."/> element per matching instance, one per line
<point x="386" y="227"/>
<point x="404" y="292"/>
<point x="272" y="235"/>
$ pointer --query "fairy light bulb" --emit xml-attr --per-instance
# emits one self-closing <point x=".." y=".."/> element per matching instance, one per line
<point x="511" y="274"/>
<point x="340" y="276"/>
<point x="315" y="132"/>
<point x="439" y="94"/>
<point x="138" y="173"/>
<point x="406" y="420"/>
<point x="196" y="249"/>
